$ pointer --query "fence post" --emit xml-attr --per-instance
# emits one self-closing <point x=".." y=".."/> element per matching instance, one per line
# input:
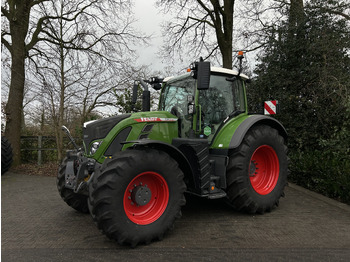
<point x="40" y="139"/>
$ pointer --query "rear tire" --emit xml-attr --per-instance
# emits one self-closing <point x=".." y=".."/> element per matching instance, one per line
<point x="257" y="171"/>
<point x="76" y="201"/>
<point x="6" y="155"/>
<point x="137" y="195"/>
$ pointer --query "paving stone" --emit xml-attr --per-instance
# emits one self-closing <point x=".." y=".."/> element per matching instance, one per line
<point x="36" y="225"/>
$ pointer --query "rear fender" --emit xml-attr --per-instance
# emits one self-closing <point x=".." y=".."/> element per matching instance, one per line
<point x="231" y="135"/>
<point x="254" y="120"/>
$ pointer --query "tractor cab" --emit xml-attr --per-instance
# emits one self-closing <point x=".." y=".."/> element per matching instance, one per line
<point x="201" y="112"/>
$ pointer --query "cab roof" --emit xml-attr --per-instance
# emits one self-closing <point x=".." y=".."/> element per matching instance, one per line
<point x="219" y="70"/>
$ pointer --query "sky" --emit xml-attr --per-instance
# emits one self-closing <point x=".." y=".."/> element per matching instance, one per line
<point x="149" y="20"/>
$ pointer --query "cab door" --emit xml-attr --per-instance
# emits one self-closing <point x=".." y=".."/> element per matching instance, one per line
<point x="223" y="99"/>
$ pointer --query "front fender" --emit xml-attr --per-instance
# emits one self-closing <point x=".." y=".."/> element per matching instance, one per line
<point x="171" y="150"/>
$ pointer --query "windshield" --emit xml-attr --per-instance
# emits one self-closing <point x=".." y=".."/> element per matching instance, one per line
<point x="175" y="95"/>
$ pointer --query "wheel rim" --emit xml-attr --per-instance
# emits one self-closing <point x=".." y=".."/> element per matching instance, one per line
<point x="264" y="170"/>
<point x="146" y="198"/>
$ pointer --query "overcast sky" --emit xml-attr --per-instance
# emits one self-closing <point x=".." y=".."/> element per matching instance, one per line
<point x="148" y="21"/>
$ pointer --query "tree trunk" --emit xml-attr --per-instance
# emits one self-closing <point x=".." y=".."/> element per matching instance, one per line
<point x="224" y="31"/>
<point x="14" y="106"/>
<point x="227" y="55"/>
<point x="61" y="110"/>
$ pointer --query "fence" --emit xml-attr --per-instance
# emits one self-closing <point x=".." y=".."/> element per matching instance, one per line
<point x="41" y="149"/>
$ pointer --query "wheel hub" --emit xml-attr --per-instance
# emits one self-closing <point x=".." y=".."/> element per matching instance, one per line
<point x="141" y="195"/>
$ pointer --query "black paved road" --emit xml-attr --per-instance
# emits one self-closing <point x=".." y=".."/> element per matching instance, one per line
<point x="36" y="225"/>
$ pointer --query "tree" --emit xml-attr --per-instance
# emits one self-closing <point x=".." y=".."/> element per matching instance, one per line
<point x="17" y="14"/>
<point x="196" y="22"/>
<point x="123" y="93"/>
<point x="306" y="67"/>
<point x="27" y="23"/>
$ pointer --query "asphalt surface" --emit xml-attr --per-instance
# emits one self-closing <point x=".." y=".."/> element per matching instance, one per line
<point x="36" y="225"/>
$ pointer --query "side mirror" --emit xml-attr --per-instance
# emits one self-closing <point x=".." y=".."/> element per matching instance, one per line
<point x="202" y="74"/>
<point x="156" y="83"/>
<point x="157" y="86"/>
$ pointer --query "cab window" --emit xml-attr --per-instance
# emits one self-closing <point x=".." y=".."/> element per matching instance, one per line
<point x="220" y="100"/>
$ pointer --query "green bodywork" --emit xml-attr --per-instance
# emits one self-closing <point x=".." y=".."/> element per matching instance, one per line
<point x="165" y="125"/>
<point x="224" y="136"/>
<point x="164" y="130"/>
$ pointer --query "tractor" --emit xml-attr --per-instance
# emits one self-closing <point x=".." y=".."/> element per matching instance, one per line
<point x="133" y="170"/>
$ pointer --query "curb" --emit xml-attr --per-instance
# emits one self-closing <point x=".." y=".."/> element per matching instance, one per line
<point x="320" y="197"/>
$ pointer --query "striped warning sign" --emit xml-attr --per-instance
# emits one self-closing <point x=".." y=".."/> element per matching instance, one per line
<point x="270" y="107"/>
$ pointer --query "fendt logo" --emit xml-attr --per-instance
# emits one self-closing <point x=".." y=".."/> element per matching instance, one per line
<point x="155" y="119"/>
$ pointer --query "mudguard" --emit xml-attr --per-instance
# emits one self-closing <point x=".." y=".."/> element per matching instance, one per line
<point x="170" y="149"/>
<point x="232" y="134"/>
<point x="173" y="151"/>
<point x="243" y="128"/>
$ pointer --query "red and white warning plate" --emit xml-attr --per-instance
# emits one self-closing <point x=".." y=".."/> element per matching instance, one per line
<point x="270" y="107"/>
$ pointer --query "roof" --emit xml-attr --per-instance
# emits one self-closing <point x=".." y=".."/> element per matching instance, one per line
<point x="219" y="70"/>
<point x="228" y="71"/>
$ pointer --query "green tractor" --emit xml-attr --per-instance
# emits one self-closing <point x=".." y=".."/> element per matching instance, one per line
<point x="133" y="169"/>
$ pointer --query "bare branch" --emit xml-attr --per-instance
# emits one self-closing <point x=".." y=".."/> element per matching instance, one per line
<point x="6" y="43"/>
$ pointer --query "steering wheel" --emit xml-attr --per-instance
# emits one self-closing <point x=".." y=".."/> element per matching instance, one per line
<point x="176" y="111"/>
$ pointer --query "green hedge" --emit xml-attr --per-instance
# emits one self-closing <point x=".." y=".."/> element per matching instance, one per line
<point x="326" y="172"/>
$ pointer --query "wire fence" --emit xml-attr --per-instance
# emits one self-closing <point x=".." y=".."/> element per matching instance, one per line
<point x="42" y="149"/>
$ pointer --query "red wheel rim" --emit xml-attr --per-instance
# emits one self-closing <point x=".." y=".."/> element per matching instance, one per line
<point x="146" y="198"/>
<point x="264" y="170"/>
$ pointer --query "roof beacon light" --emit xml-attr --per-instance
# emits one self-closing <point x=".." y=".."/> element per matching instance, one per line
<point x="240" y="58"/>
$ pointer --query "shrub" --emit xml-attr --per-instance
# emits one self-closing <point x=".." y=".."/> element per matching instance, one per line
<point x="326" y="172"/>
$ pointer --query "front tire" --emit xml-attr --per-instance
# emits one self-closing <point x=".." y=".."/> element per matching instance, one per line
<point x="76" y="201"/>
<point x="137" y="196"/>
<point x="257" y="171"/>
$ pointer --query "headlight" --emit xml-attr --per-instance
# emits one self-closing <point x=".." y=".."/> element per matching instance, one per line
<point x="94" y="147"/>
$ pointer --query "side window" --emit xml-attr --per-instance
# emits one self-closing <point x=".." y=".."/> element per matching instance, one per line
<point x="238" y="95"/>
<point x="216" y="102"/>
<point x="220" y="100"/>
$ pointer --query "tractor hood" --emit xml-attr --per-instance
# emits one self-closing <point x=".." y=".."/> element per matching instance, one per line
<point x="98" y="129"/>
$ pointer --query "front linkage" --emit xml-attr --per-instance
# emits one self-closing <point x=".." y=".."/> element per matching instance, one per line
<point x="79" y="170"/>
